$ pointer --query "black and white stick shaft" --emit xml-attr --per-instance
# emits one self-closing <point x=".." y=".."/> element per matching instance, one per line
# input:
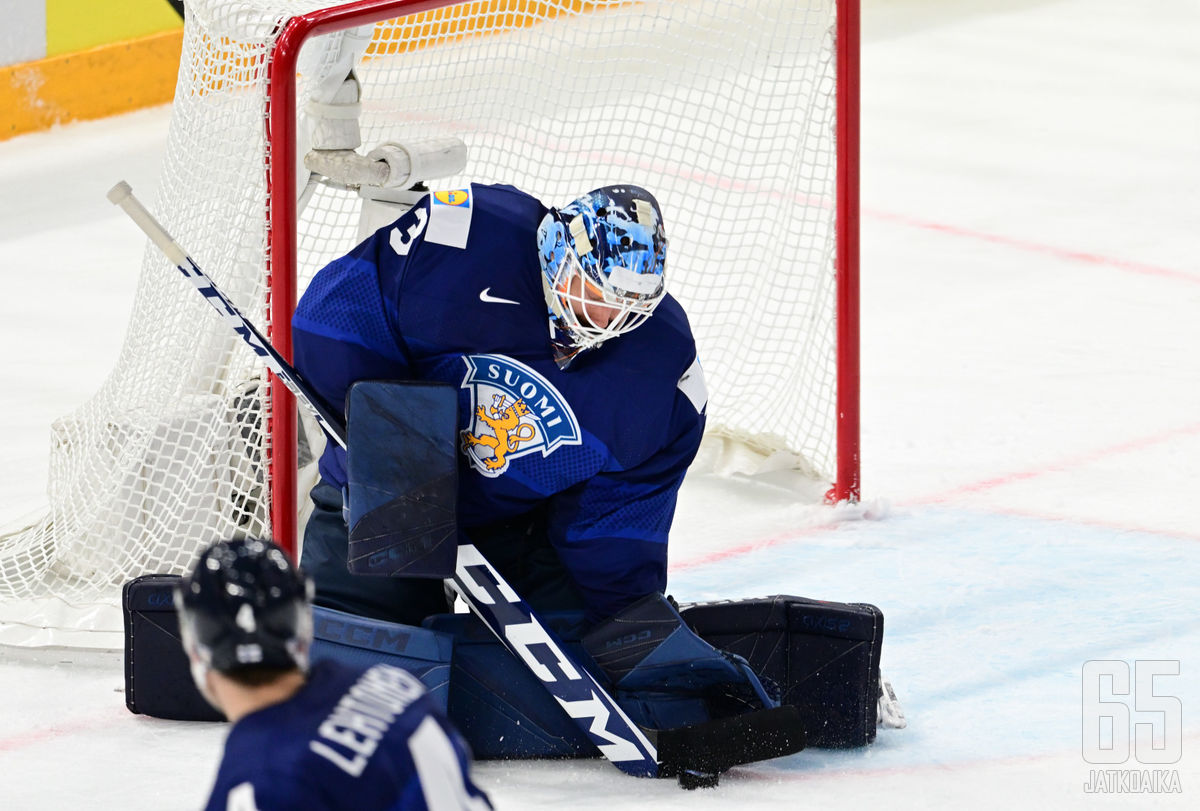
<point x="122" y="195"/>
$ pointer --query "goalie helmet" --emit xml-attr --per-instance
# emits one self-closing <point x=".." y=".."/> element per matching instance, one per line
<point x="603" y="258"/>
<point x="244" y="605"/>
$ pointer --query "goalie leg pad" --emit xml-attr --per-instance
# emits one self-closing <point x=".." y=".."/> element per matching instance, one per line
<point x="823" y="655"/>
<point x="158" y="679"/>
<point x="361" y="642"/>
<point x="504" y="712"/>
<point x="496" y="701"/>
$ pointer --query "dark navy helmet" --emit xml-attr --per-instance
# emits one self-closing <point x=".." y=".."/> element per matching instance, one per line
<point x="245" y="605"/>
<point x="605" y="253"/>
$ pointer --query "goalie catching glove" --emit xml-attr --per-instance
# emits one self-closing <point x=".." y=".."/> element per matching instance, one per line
<point x="665" y="676"/>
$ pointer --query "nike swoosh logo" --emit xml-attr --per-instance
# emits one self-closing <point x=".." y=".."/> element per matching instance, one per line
<point x="485" y="295"/>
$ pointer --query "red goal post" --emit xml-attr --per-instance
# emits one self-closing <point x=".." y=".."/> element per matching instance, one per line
<point x="282" y="194"/>
<point x="740" y="115"/>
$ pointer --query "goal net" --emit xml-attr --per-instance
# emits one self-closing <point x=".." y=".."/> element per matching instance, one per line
<point x="728" y="110"/>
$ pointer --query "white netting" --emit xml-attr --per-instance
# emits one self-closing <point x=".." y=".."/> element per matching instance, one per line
<point x="725" y="109"/>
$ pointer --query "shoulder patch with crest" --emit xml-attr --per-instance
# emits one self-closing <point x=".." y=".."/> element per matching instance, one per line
<point x="450" y="217"/>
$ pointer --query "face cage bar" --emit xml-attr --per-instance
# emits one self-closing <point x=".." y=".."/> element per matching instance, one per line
<point x="586" y="333"/>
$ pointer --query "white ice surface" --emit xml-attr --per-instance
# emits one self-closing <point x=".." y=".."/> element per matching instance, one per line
<point x="1031" y="424"/>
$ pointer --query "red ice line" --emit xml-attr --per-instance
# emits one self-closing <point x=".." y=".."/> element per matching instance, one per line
<point x="58" y="730"/>
<point x="1037" y="247"/>
<point x="977" y="487"/>
<point x="1070" y="462"/>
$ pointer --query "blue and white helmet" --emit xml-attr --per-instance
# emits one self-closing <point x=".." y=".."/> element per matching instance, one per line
<point x="612" y="240"/>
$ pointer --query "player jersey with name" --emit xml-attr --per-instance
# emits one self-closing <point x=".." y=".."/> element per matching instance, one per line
<point x="350" y="740"/>
<point x="452" y="292"/>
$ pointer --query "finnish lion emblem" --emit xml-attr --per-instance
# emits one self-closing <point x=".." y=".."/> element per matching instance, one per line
<point x="514" y="411"/>
<point x="508" y="432"/>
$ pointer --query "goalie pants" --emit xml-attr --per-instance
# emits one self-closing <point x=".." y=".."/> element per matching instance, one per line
<point x="518" y="548"/>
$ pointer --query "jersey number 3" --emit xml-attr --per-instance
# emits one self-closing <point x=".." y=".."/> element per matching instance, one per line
<point x="401" y="242"/>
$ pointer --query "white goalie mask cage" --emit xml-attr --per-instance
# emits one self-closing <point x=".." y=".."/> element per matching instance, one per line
<point x="603" y="262"/>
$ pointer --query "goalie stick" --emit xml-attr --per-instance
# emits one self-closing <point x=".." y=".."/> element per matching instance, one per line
<point x="122" y="195"/>
<point x="695" y="754"/>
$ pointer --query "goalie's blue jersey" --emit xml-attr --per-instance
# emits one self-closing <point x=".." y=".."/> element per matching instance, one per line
<point x="452" y="292"/>
<point x="350" y="740"/>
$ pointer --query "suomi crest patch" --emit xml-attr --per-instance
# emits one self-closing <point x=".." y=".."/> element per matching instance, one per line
<point x="514" y="411"/>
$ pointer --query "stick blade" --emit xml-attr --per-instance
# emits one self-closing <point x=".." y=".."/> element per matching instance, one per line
<point x="715" y="746"/>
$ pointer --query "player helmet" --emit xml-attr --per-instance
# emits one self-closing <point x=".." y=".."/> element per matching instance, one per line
<point x="244" y="605"/>
<point x="603" y="253"/>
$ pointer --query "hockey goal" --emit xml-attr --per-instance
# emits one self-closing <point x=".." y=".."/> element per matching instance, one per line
<point x="741" y="116"/>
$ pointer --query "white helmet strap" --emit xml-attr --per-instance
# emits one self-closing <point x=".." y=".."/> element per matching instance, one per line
<point x="583" y="245"/>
